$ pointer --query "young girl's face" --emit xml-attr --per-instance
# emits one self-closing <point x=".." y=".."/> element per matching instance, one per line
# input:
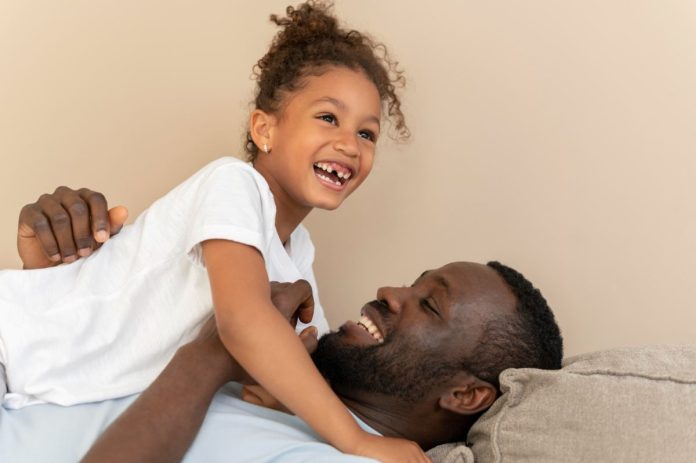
<point x="323" y="139"/>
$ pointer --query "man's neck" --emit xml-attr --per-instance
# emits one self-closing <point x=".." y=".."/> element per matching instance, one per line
<point x="421" y="422"/>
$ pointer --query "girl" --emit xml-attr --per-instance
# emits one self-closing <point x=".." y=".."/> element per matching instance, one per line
<point x="105" y="326"/>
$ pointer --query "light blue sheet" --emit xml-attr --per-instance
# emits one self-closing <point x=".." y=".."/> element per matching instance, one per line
<point x="233" y="431"/>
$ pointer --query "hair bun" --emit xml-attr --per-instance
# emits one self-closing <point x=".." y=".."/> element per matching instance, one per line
<point x="305" y="24"/>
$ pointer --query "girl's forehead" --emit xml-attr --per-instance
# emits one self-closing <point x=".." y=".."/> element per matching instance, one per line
<point x="337" y="81"/>
<point x="344" y="88"/>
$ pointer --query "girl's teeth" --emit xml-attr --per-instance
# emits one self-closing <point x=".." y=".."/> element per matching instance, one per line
<point x="328" y="168"/>
<point x="327" y="179"/>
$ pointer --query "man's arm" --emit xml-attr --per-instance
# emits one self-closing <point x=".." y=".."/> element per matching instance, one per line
<point x="162" y="423"/>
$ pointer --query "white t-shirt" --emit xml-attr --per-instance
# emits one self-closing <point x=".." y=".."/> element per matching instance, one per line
<point x="233" y="431"/>
<point x="105" y="326"/>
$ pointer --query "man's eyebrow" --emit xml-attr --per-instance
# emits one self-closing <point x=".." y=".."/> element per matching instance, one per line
<point x="342" y="105"/>
<point x="442" y="281"/>
<point x="439" y="279"/>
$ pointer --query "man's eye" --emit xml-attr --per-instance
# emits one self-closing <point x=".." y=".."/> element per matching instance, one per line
<point x="430" y="306"/>
<point x="330" y="118"/>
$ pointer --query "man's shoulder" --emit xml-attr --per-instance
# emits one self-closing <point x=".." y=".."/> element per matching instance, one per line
<point x="261" y="434"/>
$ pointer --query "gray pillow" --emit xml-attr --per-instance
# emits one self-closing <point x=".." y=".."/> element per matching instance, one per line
<point x="623" y="405"/>
<point x="451" y="453"/>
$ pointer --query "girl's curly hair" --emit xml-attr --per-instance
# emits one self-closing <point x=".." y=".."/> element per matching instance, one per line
<point x="310" y="39"/>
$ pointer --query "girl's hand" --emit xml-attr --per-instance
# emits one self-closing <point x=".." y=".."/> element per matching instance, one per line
<point x="390" y="450"/>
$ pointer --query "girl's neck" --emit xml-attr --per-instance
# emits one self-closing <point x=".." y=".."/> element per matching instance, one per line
<point x="289" y="214"/>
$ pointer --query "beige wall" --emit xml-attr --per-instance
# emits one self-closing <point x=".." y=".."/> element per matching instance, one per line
<point x="554" y="136"/>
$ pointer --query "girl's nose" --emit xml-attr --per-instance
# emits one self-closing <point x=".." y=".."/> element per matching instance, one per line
<point x="393" y="297"/>
<point x="348" y="145"/>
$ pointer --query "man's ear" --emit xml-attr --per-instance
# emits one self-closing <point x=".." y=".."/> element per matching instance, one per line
<point x="469" y="395"/>
<point x="261" y="127"/>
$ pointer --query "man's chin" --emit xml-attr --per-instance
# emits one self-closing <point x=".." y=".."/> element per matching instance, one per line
<point x="394" y="368"/>
<point x="344" y="362"/>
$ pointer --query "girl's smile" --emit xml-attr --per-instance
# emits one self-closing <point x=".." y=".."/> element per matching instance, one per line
<point x="334" y="175"/>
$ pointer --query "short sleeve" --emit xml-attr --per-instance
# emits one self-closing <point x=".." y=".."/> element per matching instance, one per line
<point x="228" y="203"/>
<point x="303" y="256"/>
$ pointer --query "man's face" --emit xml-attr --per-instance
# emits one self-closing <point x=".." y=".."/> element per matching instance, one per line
<point x="412" y="339"/>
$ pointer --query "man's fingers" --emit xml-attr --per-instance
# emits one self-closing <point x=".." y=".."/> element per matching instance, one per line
<point x="34" y="224"/>
<point x="61" y="225"/>
<point x="249" y="396"/>
<point x="308" y="336"/>
<point x="99" y="214"/>
<point x="277" y="288"/>
<point x="295" y="300"/>
<point x="79" y="214"/>
<point x="117" y="217"/>
<point x="257" y="395"/>
<point x="306" y="312"/>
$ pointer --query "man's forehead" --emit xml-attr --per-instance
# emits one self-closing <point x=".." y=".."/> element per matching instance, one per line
<point x="458" y="274"/>
<point x="469" y="282"/>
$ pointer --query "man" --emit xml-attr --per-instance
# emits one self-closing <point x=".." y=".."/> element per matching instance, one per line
<point x="421" y="364"/>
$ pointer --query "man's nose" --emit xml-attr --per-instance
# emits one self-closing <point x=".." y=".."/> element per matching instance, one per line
<point x="393" y="297"/>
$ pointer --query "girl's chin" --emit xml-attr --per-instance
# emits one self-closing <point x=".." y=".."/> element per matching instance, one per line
<point x="328" y="206"/>
<point x="328" y="202"/>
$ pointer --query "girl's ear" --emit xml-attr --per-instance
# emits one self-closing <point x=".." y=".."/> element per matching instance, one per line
<point x="261" y="127"/>
<point x="468" y="397"/>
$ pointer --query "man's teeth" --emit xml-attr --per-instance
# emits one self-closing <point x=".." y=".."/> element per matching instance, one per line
<point x="329" y="168"/>
<point x="371" y="328"/>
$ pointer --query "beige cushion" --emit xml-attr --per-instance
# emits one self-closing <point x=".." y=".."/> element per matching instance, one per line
<point x="623" y="405"/>
<point x="451" y="453"/>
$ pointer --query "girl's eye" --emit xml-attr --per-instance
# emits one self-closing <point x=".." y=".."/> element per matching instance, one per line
<point x="330" y="118"/>
<point x="367" y="135"/>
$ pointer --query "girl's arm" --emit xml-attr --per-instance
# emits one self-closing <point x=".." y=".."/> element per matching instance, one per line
<point x="261" y="340"/>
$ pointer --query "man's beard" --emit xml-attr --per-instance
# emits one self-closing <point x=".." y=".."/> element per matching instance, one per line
<point x="394" y="368"/>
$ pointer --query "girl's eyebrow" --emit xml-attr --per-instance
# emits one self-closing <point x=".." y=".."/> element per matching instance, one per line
<point x="342" y="105"/>
<point x="328" y="99"/>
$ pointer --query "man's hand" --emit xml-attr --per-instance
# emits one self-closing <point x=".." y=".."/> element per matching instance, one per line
<point x="294" y="300"/>
<point x="65" y="225"/>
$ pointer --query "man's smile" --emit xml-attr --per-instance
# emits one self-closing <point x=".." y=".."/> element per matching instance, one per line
<point x="372" y="320"/>
<point x="371" y="328"/>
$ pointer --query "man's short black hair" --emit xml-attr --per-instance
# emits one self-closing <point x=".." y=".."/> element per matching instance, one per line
<point x="531" y="339"/>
